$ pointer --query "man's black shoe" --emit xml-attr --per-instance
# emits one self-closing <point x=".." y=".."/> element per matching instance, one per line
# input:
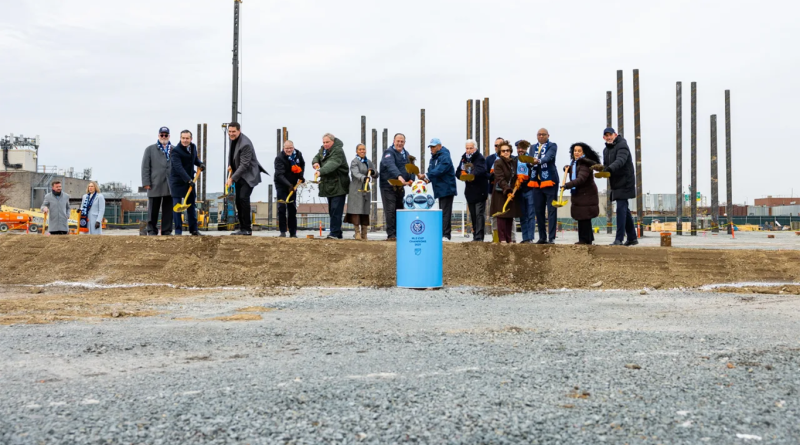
<point x="477" y="241"/>
<point x="242" y="233"/>
<point x="282" y="235"/>
<point x="551" y="242"/>
<point x="541" y="241"/>
<point x="617" y="243"/>
<point x="292" y="236"/>
<point x="632" y="243"/>
<point x="196" y="233"/>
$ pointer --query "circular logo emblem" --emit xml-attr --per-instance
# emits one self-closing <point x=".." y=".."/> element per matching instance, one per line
<point x="417" y="227"/>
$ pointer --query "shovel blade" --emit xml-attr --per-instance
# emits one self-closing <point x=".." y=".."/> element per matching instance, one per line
<point x="396" y="182"/>
<point x="526" y="159"/>
<point x="180" y="208"/>
<point x="558" y="203"/>
<point x="413" y="169"/>
<point x="602" y="175"/>
<point x="467" y="178"/>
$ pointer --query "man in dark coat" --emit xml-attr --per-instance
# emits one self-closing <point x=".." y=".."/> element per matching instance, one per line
<point x="334" y="180"/>
<point x="393" y="166"/>
<point x="545" y="181"/>
<point x="475" y="190"/>
<point x="182" y="160"/>
<point x="246" y="174"/>
<point x="289" y="169"/>
<point x="442" y="176"/>
<point x="155" y="179"/>
<point x="617" y="160"/>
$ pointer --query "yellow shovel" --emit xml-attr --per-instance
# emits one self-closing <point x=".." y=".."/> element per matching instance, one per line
<point x="367" y="183"/>
<point x="508" y="200"/>
<point x="526" y="159"/>
<point x="466" y="177"/>
<point x="560" y="202"/>
<point x="396" y="182"/>
<point x="316" y="178"/>
<point x="413" y="169"/>
<point x="182" y="207"/>
<point x="289" y="196"/>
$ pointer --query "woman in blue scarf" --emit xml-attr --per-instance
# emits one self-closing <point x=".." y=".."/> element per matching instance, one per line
<point x="585" y="203"/>
<point x="93" y="207"/>
<point x="358" y="201"/>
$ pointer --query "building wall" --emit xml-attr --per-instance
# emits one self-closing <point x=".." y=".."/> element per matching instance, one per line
<point x="769" y="201"/>
<point x="20" y="192"/>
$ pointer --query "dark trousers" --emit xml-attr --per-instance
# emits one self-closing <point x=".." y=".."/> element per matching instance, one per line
<point x="477" y="216"/>
<point x="391" y="199"/>
<point x="504" y="227"/>
<point x="164" y="203"/>
<point x="59" y="232"/>
<point x="624" y="221"/>
<point x="543" y="198"/>
<point x="287" y="213"/>
<point x="585" y="234"/>
<point x="336" y="212"/>
<point x="191" y="214"/>
<point x="446" y="206"/>
<point x="243" y="192"/>
<point x="528" y="218"/>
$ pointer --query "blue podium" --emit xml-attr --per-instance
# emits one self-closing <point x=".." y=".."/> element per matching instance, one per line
<point x="419" y="248"/>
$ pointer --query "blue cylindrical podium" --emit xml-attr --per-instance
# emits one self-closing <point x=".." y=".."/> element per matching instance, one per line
<point x="419" y="248"/>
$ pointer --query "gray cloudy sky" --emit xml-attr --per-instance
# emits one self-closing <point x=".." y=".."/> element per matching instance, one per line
<point x="96" y="79"/>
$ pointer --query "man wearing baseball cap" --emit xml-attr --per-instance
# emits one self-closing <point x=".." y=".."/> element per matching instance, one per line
<point x="617" y="161"/>
<point x="443" y="177"/>
<point x="155" y="177"/>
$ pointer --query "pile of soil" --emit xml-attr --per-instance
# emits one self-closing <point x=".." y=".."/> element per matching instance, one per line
<point x="269" y="262"/>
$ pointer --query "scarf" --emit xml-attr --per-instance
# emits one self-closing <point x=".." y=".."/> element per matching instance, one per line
<point x="56" y="194"/>
<point x="573" y="171"/>
<point x="165" y="149"/>
<point x="88" y="200"/>
<point x="542" y="177"/>
<point x="364" y="160"/>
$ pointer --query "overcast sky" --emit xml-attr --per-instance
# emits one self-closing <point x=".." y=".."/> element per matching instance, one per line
<point x="97" y="79"/>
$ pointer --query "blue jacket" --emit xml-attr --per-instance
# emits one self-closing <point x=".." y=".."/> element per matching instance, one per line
<point x="546" y="170"/>
<point x="476" y="190"/>
<point x="393" y="164"/>
<point x="181" y="171"/>
<point x="442" y="174"/>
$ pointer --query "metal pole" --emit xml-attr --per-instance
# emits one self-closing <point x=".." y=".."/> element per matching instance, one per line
<point x="637" y="130"/>
<point x="285" y="135"/>
<point x="486" y="140"/>
<point x="199" y="144"/>
<point x="269" y="209"/>
<point x="235" y="101"/>
<point x="385" y="139"/>
<point x="469" y="119"/>
<point x="205" y="155"/>
<point x="620" y="115"/>
<point x="279" y="144"/>
<point x="224" y="156"/>
<point x="728" y="181"/>
<point x="364" y="129"/>
<point x="374" y="218"/>
<point x="477" y="123"/>
<point x="693" y="193"/>
<point x="679" y="158"/>
<point x="422" y="141"/>
<point x="714" y="177"/>
<point x="609" y="204"/>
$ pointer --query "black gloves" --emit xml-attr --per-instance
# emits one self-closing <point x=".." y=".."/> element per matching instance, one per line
<point x="97" y="225"/>
<point x="598" y="167"/>
<point x="202" y="166"/>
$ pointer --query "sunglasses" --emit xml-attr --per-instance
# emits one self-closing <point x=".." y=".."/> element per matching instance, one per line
<point x="505" y="151"/>
<point x="164" y="135"/>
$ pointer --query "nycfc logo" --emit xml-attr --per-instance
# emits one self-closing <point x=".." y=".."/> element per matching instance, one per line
<point x="417" y="227"/>
<point x="84" y="223"/>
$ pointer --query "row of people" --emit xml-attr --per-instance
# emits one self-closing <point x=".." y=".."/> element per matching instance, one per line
<point x="56" y="208"/>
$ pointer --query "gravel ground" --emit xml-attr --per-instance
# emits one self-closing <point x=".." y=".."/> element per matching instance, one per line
<point x="392" y="366"/>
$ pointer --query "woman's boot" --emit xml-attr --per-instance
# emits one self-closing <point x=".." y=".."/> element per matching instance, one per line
<point x="364" y="232"/>
<point x="357" y="234"/>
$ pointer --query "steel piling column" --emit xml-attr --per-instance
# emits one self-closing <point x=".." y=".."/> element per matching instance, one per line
<point x="422" y="141"/>
<point x="477" y="123"/>
<point x="374" y="199"/>
<point x="714" y="177"/>
<point x="679" y="158"/>
<point x="620" y="114"/>
<point x="693" y="192"/>
<point x="486" y="140"/>
<point x="637" y="131"/>
<point x="285" y="135"/>
<point x="198" y="190"/>
<point x="609" y="204"/>
<point x="364" y="130"/>
<point x="279" y="143"/>
<point x="728" y="180"/>
<point x="205" y="154"/>
<point x="469" y="118"/>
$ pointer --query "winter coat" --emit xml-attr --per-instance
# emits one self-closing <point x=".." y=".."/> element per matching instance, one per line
<point x="334" y="174"/>
<point x="285" y="179"/>
<point x="442" y="175"/>
<point x="393" y="164"/>
<point x="585" y="204"/>
<point x="546" y="171"/>
<point x="490" y="160"/>
<point x="505" y="174"/>
<point x="618" y="161"/>
<point x="58" y="211"/>
<point x="358" y="203"/>
<point x="96" y="213"/>
<point x="155" y="172"/>
<point x="477" y="189"/>
<point x="244" y="162"/>
<point x="182" y="163"/>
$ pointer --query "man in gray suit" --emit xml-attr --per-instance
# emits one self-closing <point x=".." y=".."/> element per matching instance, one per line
<point x="155" y="176"/>
<point x="246" y="174"/>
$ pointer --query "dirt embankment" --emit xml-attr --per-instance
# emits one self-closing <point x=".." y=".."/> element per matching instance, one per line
<point x="237" y="261"/>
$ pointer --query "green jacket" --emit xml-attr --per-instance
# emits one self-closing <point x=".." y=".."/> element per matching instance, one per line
<point x="334" y="171"/>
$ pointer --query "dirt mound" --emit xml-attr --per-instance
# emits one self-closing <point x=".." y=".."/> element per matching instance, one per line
<point x="240" y="261"/>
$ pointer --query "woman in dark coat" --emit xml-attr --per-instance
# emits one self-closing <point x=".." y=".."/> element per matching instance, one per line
<point x="585" y="202"/>
<point x="505" y="175"/>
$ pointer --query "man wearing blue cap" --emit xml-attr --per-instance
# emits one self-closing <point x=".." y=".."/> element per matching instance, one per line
<point x="443" y="177"/>
<point x="617" y="161"/>
<point x="544" y="181"/>
<point x="155" y="177"/>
